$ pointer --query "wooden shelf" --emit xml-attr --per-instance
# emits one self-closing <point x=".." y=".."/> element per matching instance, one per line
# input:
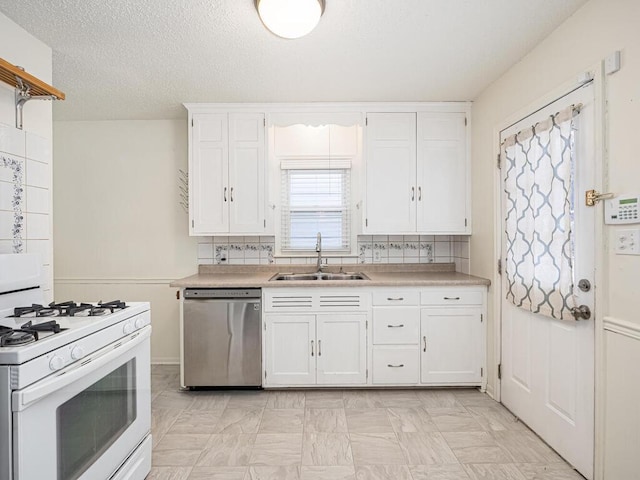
<point x="10" y="74"/>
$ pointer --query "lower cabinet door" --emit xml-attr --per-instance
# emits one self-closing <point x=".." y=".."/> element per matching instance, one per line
<point x="396" y="365"/>
<point x="451" y="345"/>
<point x="290" y="350"/>
<point x="341" y="349"/>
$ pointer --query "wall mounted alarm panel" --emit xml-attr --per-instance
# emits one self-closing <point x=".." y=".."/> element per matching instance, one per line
<point x="622" y="209"/>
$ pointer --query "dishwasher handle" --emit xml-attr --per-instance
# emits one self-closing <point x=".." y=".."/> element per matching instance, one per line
<point x="222" y="293"/>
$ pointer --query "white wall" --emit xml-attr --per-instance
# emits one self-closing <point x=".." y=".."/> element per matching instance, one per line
<point x="120" y="231"/>
<point x="592" y="33"/>
<point x="25" y="155"/>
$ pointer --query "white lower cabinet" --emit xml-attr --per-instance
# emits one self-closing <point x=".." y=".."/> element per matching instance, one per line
<point x="315" y="336"/>
<point x="420" y="336"/>
<point x="341" y="357"/>
<point x="396" y="365"/>
<point x="315" y="349"/>
<point x="290" y="349"/>
<point x="428" y="336"/>
<point x="451" y="350"/>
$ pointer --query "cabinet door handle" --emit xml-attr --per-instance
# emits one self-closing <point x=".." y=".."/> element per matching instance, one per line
<point x="395" y="366"/>
<point x="397" y="299"/>
<point x="396" y="326"/>
<point x="424" y="342"/>
<point x="413" y="193"/>
<point x="225" y="194"/>
<point x="319" y="348"/>
<point x="312" y="348"/>
<point x="419" y="194"/>
<point x="231" y="194"/>
<point x="452" y="298"/>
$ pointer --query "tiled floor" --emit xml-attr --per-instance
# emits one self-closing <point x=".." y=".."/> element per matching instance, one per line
<point x="345" y="435"/>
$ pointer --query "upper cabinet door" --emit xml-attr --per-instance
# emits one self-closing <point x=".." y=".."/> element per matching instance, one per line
<point x="208" y="173"/>
<point x="391" y="173"/>
<point x="246" y="173"/>
<point x="442" y="166"/>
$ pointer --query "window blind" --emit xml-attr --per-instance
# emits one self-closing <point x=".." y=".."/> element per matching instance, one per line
<point x="316" y="201"/>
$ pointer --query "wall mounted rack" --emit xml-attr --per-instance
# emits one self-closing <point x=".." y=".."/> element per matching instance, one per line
<point x="27" y="87"/>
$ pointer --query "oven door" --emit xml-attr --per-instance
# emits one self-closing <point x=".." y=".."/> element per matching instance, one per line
<point x="83" y="422"/>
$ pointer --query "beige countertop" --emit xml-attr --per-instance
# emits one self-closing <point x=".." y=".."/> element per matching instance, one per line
<point x="383" y="275"/>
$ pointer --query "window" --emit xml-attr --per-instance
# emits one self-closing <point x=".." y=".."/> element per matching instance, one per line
<point x="316" y="200"/>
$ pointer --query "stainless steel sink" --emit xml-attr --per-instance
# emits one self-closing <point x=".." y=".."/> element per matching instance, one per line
<point x="318" y="276"/>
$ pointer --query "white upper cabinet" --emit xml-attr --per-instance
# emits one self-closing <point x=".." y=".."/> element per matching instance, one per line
<point x="391" y="173"/>
<point x="208" y="174"/>
<point x="417" y="177"/>
<point x="442" y="173"/>
<point x="227" y="174"/>
<point x="246" y="173"/>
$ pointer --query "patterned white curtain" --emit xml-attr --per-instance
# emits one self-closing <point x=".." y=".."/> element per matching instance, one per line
<point x="539" y="167"/>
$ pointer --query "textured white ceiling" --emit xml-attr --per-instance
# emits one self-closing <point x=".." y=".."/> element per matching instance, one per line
<point x="141" y="59"/>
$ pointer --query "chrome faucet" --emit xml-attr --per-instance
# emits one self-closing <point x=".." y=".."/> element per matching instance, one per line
<point x="319" y="265"/>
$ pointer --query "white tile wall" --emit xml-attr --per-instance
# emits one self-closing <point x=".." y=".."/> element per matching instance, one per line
<point x="33" y="195"/>
<point x="371" y="249"/>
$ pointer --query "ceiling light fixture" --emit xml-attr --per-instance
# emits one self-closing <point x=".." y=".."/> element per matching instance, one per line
<point x="290" y="18"/>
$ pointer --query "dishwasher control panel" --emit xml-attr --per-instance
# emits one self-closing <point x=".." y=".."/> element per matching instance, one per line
<point x="222" y="293"/>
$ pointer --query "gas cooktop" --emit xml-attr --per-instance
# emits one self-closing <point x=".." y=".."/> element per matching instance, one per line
<point x="29" y="331"/>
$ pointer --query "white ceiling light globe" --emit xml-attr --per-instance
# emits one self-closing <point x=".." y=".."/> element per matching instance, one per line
<point x="290" y="18"/>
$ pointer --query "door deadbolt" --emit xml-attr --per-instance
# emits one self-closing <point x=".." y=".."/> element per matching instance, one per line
<point x="584" y="285"/>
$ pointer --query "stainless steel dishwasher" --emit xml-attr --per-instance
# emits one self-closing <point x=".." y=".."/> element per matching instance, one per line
<point x="222" y="337"/>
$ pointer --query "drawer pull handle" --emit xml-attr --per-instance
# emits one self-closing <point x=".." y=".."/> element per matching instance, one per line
<point x="397" y="299"/>
<point x="224" y="194"/>
<point x="452" y="298"/>
<point x="319" y="348"/>
<point x="424" y="342"/>
<point x="396" y="326"/>
<point x="312" y="348"/>
<point x="395" y="366"/>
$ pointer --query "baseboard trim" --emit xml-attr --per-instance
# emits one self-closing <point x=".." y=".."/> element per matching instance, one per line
<point x="165" y="361"/>
<point x="622" y="327"/>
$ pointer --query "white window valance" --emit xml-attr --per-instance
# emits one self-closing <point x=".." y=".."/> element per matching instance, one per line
<point x="315" y="163"/>
<point x="315" y="119"/>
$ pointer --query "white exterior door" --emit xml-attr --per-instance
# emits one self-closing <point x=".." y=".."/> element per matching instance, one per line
<point x="391" y="173"/>
<point x="208" y="175"/>
<point x="290" y="350"/>
<point x="547" y="364"/>
<point x="342" y="349"/>
<point x="246" y="173"/>
<point x="451" y="345"/>
<point x="442" y="173"/>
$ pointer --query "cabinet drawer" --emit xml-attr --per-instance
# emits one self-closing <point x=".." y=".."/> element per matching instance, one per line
<point x="396" y="297"/>
<point x="396" y="365"/>
<point x="451" y="297"/>
<point x="396" y="325"/>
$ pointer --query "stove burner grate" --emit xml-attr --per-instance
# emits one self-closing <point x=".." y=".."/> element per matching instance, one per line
<point x="12" y="338"/>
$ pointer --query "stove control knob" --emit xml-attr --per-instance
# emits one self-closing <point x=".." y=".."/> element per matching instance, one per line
<point x="139" y="323"/>
<point x="128" y="328"/>
<point x="77" y="352"/>
<point x="56" y="363"/>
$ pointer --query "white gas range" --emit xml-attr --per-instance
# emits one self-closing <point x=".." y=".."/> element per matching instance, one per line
<point x="74" y="383"/>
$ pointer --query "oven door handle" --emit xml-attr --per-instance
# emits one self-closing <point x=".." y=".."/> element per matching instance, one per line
<point x="27" y="396"/>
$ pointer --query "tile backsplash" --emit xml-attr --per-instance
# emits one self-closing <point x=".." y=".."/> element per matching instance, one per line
<point x="25" y="197"/>
<point x="371" y="249"/>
